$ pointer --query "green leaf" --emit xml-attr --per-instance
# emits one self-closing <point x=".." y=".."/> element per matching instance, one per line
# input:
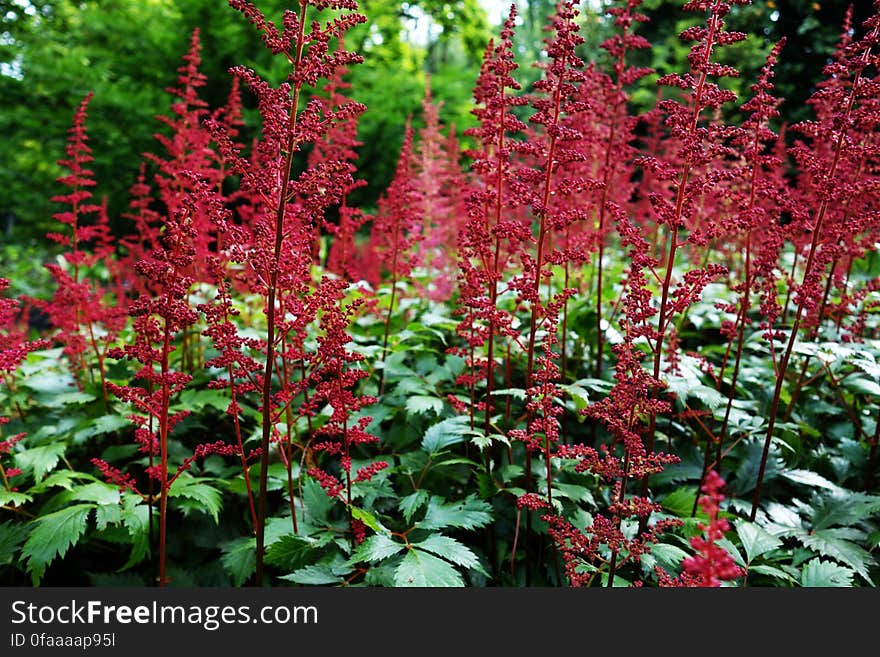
<point x="107" y="514"/>
<point x="41" y="460"/>
<point x="573" y="492"/>
<point x="818" y="573"/>
<point x="422" y="404"/>
<point x="811" y="479"/>
<point x="62" y="478"/>
<point x="828" y="544"/>
<point x="862" y="386"/>
<point x="136" y="519"/>
<point x="368" y="519"/>
<point x="203" y="498"/>
<point x="14" y="498"/>
<point x="410" y="504"/>
<point x="68" y="398"/>
<point x="102" y="425"/>
<point x="197" y="399"/>
<point x="755" y="541"/>
<point x="97" y="492"/>
<point x="288" y="552"/>
<point x="376" y="548"/>
<point x="443" y="434"/>
<point x="680" y="501"/>
<point x="771" y="571"/>
<point x="316" y="502"/>
<point x="470" y="513"/>
<point x="423" y="569"/>
<point x="52" y="536"/>
<point x="668" y="556"/>
<point x="844" y="508"/>
<point x="314" y="575"/>
<point x="12" y="534"/>
<point x="452" y="550"/>
<point x="239" y="559"/>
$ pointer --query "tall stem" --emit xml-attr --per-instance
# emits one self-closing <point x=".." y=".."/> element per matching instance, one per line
<point x="808" y="268"/>
<point x="163" y="455"/>
<point x="270" y="303"/>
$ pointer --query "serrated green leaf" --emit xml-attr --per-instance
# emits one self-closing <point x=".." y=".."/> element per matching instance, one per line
<point x="422" y="404"/>
<point x="822" y="574"/>
<point x="451" y="550"/>
<point x="368" y="519"/>
<point x="107" y="514"/>
<point x="668" y="556"/>
<point x="52" y="536"/>
<point x="136" y="519"/>
<point x="288" y="552"/>
<point x="102" y="425"/>
<point x="12" y="534"/>
<point x="771" y="571"/>
<point x="316" y="502"/>
<point x="680" y="501"/>
<point x="206" y="498"/>
<point x="828" y="544"/>
<point x="755" y="540"/>
<point x="445" y="433"/>
<point x="62" y="478"/>
<point x="844" y="508"/>
<point x="481" y="442"/>
<point x="40" y="460"/>
<point x="862" y="386"/>
<point x="68" y="399"/>
<point x="239" y="559"/>
<point x="14" y="498"/>
<point x="314" y="575"/>
<point x="97" y="492"/>
<point x="376" y="548"/>
<point x="410" y="504"/>
<point x="811" y="479"/>
<point x="573" y="492"/>
<point x="198" y="399"/>
<point x="470" y="513"/>
<point x="421" y="569"/>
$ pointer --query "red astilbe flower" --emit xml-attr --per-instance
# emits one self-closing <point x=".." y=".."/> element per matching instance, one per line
<point x="844" y="192"/>
<point x="14" y="348"/>
<point x="608" y="132"/>
<point x="584" y="551"/>
<point x="339" y="144"/>
<point x="287" y="206"/>
<point x="758" y="194"/>
<point x="334" y="375"/>
<point x="712" y="564"/>
<point x="159" y="320"/>
<point x="439" y="181"/>
<point x="395" y="232"/>
<point x="86" y="322"/>
<point x="188" y="157"/>
<point x="496" y="224"/>
<point x="696" y="178"/>
<point x="553" y="196"/>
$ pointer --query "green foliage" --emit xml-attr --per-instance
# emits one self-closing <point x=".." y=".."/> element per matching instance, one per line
<point x="52" y="536"/>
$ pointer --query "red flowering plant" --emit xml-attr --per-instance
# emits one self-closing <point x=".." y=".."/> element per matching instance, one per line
<point x="14" y="348"/>
<point x="711" y="564"/>
<point x="82" y="308"/>
<point x="843" y="199"/>
<point x="513" y="348"/>
<point x="288" y="211"/>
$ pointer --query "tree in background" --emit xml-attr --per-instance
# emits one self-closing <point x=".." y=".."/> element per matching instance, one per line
<point x="53" y="52"/>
